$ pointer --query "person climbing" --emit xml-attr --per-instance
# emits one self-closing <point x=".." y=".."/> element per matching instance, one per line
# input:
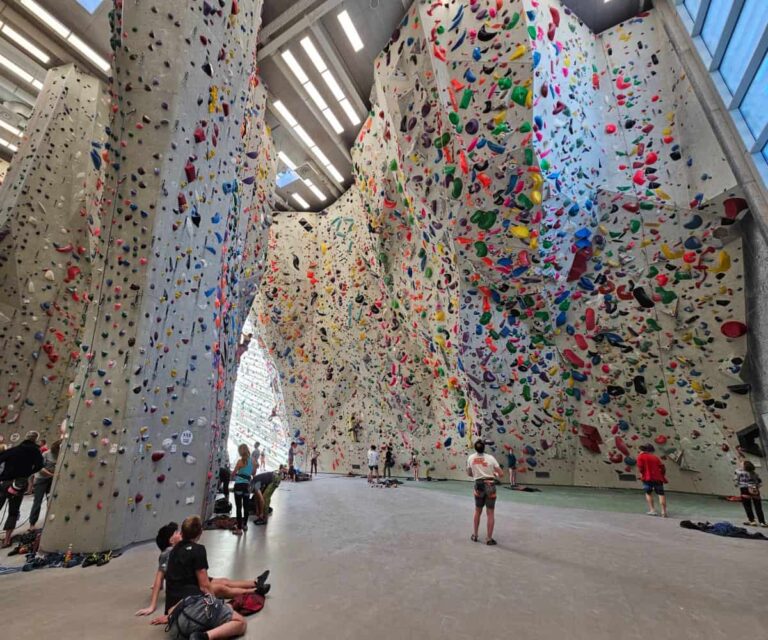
<point x="225" y="476"/>
<point x="191" y="609"/>
<point x="415" y="464"/>
<point x="484" y="469"/>
<point x="652" y="473"/>
<point x="168" y="536"/>
<point x="749" y="488"/>
<point x="17" y="465"/>
<point x="43" y="482"/>
<point x="389" y="461"/>
<point x="373" y="464"/>
<point x="243" y="475"/>
<point x="355" y="428"/>
<point x="313" y="460"/>
<point x="512" y="464"/>
<point x="242" y="348"/>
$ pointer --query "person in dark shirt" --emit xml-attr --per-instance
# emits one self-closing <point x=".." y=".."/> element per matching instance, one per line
<point x="187" y="575"/>
<point x="17" y="465"/>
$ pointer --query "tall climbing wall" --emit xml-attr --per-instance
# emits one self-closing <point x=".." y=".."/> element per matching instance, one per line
<point x="541" y="251"/>
<point x="185" y="212"/>
<point x="48" y="215"/>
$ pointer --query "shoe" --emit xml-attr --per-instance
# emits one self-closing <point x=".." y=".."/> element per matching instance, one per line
<point x="264" y="589"/>
<point x="262" y="579"/>
<point x="473" y="538"/>
<point x="490" y="542"/>
<point x="91" y="560"/>
<point x="763" y="524"/>
<point x="260" y="521"/>
<point x="664" y="515"/>
<point x="750" y="523"/>
<point x="651" y="513"/>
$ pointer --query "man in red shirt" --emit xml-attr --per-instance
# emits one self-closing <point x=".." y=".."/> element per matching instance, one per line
<point x="652" y="472"/>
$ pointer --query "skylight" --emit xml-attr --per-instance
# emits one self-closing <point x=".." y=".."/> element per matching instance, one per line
<point x="90" y="5"/>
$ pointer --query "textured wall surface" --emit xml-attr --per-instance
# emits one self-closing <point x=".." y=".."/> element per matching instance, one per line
<point x="48" y="214"/>
<point x="541" y="247"/>
<point x="184" y="216"/>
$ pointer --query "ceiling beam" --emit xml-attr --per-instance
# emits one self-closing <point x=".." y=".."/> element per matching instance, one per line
<point x="284" y="18"/>
<point x="289" y="129"/>
<point x="318" y="115"/>
<point x="351" y="89"/>
<point x="297" y="27"/>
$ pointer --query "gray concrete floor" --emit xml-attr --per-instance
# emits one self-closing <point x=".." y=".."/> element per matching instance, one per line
<point x="350" y="562"/>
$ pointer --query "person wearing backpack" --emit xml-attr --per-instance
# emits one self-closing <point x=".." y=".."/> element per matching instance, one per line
<point x="191" y="609"/>
<point x="749" y="488"/>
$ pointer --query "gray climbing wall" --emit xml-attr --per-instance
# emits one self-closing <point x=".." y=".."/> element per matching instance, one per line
<point x="49" y="216"/>
<point x="541" y="248"/>
<point x="185" y="212"/>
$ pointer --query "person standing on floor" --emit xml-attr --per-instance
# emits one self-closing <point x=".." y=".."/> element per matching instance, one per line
<point x="483" y="468"/>
<point x="43" y="482"/>
<point x="512" y="464"/>
<point x="373" y="464"/>
<point x="415" y="464"/>
<point x="749" y="488"/>
<point x="292" y="461"/>
<point x="256" y="456"/>
<point x="17" y="465"/>
<point x="652" y="473"/>
<point x="389" y="461"/>
<point x="313" y="460"/>
<point x="242" y="488"/>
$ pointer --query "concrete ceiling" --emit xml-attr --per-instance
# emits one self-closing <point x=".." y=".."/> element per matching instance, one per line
<point x="284" y="25"/>
<point x="600" y="15"/>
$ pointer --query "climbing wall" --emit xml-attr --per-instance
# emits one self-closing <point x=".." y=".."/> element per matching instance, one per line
<point x="185" y="212"/>
<point x="49" y="217"/>
<point x="541" y="249"/>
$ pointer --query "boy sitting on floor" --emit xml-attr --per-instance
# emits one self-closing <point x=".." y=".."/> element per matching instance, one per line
<point x="167" y="538"/>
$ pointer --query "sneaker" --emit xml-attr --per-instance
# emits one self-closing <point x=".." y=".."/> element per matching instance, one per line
<point x="263" y="589"/>
<point x="763" y="524"/>
<point x="262" y="579"/>
<point x="651" y="513"/>
<point x="750" y="523"/>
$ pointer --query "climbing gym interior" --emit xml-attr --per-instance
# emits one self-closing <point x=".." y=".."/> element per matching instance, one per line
<point x="446" y="313"/>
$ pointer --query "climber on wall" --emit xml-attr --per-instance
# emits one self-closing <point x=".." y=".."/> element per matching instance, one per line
<point x="484" y="469"/>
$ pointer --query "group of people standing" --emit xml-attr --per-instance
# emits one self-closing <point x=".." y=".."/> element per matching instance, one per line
<point x="27" y="468"/>
<point x="252" y="487"/>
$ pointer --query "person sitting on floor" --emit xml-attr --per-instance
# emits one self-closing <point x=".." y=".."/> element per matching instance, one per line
<point x="191" y="609"/>
<point x="167" y="538"/>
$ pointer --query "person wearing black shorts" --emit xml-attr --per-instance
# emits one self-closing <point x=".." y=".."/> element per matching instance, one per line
<point x="484" y="469"/>
<point x="373" y="464"/>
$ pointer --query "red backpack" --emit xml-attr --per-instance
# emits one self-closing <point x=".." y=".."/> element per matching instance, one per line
<point x="248" y="603"/>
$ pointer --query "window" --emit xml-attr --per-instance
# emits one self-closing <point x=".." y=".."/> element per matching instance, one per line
<point x="285" y="178"/>
<point x="89" y="5"/>
<point x="693" y="8"/>
<point x="753" y="107"/>
<point x="749" y="29"/>
<point x="714" y="23"/>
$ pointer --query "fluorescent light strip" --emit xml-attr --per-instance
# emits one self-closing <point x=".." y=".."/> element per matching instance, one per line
<point x="299" y="130"/>
<point x="25" y="44"/>
<point x="37" y="85"/>
<point x="89" y="53"/>
<point x="47" y="18"/>
<point x="318" y="194"/>
<point x="320" y="156"/>
<point x="333" y="85"/>
<point x="302" y="202"/>
<point x="10" y="127"/>
<point x="14" y="68"/>
<point x="333" y="120"/>
<point x="353" y="117"/>
<point x="287" y="161"/>
<point x="4" y="142"/>
<point x="294" y="66"/>
<point x="315" y="95"/>
<point x="335" y="173"/>
<point x="285" y="113"/>
<point x="349" y="29"/>
<point x="13" y="147"/>
<point x="313" y="54"/>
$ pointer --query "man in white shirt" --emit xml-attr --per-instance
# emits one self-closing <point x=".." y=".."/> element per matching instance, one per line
<point x="484" y="468"/>
<point x="373" y="463"/>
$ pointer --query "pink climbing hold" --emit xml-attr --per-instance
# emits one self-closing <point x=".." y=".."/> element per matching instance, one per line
<point x="573" y="358"/>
